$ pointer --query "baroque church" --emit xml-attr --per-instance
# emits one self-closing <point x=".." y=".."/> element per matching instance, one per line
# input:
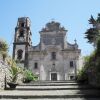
<point x="53" y="58"/>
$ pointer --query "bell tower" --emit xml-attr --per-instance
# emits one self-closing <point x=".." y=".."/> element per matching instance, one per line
<point x="22" y="41"/>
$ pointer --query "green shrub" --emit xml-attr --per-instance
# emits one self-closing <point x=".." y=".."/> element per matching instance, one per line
<point x="3" y="49"/>
<point x="29" y="76"/>
<point x="82" y="75"/>
<point x="3" y="46"/>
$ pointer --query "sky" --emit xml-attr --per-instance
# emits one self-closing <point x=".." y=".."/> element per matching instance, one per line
<point x="72" y="14"/>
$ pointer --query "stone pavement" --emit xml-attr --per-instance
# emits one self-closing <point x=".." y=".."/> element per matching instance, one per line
<point x="57" y="99"/>
<point x="61" y="90"/>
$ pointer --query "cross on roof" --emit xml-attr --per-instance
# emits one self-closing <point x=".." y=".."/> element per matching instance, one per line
<point x="75" y="41"/>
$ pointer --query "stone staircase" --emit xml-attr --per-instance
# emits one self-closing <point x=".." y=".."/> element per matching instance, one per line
<point x="55" y="90"/>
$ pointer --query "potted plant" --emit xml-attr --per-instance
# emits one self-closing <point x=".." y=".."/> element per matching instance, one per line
<point x="14" y="72"/>
<point x="12" y="85"/>
<point x="28" y="76"/>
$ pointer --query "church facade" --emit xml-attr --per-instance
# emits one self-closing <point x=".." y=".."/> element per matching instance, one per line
<point x="53" y="58"/>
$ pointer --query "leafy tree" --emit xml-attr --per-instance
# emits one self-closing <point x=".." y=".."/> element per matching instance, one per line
<point x="92" y="64"/>
<point x="98" y="48"/>
<point x="98" y="18"/>
<point x="93" y="33"/>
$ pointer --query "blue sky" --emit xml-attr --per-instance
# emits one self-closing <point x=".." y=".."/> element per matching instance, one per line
<point x="72" y="14"/>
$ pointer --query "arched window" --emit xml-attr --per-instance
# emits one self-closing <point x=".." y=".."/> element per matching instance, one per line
<point x="19" y="54"/>
<point x="21" y="34"/>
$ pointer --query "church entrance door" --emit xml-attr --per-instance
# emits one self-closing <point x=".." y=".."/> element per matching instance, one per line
<point x="53" y="76"/>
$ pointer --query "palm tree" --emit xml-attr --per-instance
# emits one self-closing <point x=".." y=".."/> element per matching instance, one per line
<point x="3" y="49"/>
<point x="93" y="33"/>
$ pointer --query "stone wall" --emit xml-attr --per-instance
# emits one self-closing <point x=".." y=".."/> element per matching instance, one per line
<point x="4" y="70"/>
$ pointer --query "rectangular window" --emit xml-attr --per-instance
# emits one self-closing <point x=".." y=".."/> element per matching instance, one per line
<point x="53" y="55"/>
<point x="71" y="64"/>
<point x="35" y="65"/>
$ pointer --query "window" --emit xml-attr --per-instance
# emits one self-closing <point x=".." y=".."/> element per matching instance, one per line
<point x="22" y="24"/>
<point x="19" y="54"/>
<point x="53" y="55"/>
<point x="35" y="65"/>
<point x="71" y="64"/>
<point x="21" y="34"/>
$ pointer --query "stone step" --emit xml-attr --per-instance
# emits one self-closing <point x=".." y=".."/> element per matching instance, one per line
<point x="57" y="99"/>
<point x="67" y="81"/>
<point x="15" y="94"/>
<point x="76" y="87"/>
<point x="52" y="91"/>
<point x="53" y="82"/>
<point x="49" y="84"/>
<point x="65" y="97"/>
